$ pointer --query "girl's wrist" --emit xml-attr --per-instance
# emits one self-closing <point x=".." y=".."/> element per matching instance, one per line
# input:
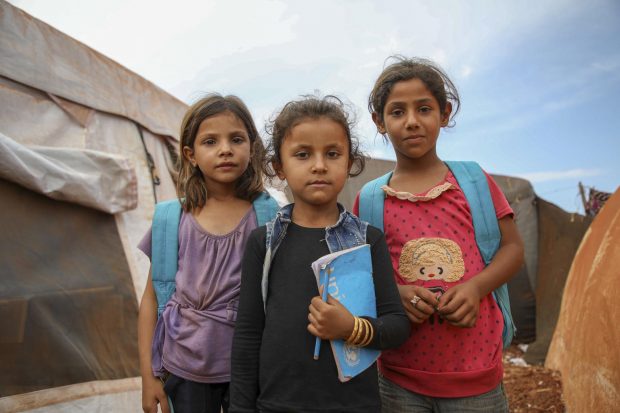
<point x="478" y="288"/>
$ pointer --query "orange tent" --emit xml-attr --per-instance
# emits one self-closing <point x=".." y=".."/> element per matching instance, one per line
<point x="586" y="340"/>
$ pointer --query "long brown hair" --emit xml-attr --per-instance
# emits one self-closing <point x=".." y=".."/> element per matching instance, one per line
<point x="190" y="184"/>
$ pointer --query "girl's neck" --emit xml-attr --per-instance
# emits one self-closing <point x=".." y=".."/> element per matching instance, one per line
<point x="311" y="216"/>
<point x="418" y="175"/>
<point x="221" y="192"/>
<point x="418" y="166"/>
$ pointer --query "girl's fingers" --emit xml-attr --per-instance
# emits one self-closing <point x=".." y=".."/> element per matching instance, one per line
<point x="449" y="304"/>
<point x="414" y="318"/>
<point x="423" y="307"/>
<point x="163" y="402"/>
<point x="331" y="300"/>
<point x="311" y="319"/>
<point x="427" y="296"/>
<point x="313" y="330"/>
<point x="415" y="314"/>
<point x="463" y="317"/>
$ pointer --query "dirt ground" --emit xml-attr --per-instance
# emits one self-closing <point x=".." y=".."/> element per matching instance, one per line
<point x="531" y="388"/>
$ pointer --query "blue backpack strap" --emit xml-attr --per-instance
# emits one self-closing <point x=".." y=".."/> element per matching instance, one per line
<point x="474" y="184"/>
<point x="265" y="207"/>
<point x="371" y="201"/>
<point x="165" y="250"/>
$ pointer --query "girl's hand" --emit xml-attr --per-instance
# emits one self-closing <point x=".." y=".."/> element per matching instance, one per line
<point x="329" y="320"/>
<point x="424" y="306"/>
<point x="153" y="394"/>
<point x="460" y="304"/>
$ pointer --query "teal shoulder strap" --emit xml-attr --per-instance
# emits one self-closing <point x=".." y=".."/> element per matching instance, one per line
<point x="165" y="249"/>
<point x="371" y="201"/>
<point x="265" y="207"/>
<point x="474" y="184"/>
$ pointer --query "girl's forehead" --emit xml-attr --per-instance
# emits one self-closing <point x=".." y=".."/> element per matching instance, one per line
<point x="223" y="119"/>
<point x="317" y="131"/>
<point x="410" y="90"/>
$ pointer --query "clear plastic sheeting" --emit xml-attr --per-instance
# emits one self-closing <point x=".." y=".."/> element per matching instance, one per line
<point x="94" y="179"/>
<point x="118" y="396"/>
<point x="68" y="309"/>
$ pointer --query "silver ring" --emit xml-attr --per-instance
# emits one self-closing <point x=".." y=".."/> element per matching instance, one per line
<point x="415" y="300"/>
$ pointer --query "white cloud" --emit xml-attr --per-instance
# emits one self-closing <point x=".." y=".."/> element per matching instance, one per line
<point x="466" y="71"/>
<point x="546" y="176"/>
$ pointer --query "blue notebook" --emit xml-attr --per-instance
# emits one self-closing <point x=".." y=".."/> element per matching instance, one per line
<point x="348" y="274"/>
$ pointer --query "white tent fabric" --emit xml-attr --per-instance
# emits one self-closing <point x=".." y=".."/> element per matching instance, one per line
<point x="94" y="179"/>
<point x="35" y="54"/>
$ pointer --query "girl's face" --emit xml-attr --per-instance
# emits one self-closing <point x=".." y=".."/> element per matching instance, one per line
<point x="315" y="161"/>
<point x="412" y="120"/>
<point x="221" y="149"/>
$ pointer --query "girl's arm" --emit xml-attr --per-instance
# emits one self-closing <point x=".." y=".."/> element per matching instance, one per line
<point x="249" y="327"/>
<point x="152" y="388"/>
<point x="331" y="320"/>
<point x="459" y="305"/>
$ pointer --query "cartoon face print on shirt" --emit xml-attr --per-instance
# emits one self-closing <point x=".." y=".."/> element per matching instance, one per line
<point x="431" y="259"/>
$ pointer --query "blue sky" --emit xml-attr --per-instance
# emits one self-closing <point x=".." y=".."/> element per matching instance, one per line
<point x="539" y="81"/>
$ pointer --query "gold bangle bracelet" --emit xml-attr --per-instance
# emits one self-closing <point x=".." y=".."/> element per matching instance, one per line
<point x="356" y="327"/>
<point x="371" y="334"/>
<point x="366" y="333"/>
<point x="364" y="336"/>
<point x="357" y="338"/>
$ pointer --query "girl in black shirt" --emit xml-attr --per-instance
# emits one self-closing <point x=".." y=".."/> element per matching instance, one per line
<point x="273" y="369"/>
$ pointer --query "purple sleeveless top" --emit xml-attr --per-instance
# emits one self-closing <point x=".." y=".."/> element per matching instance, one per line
<point x="193" y="335"/>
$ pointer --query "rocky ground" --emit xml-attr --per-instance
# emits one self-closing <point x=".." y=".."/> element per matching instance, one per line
<point x="531" y="388"/>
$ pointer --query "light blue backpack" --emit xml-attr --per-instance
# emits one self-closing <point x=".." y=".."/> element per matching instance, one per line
<point x="474" y="185"/>
<point x="165" y="242"/>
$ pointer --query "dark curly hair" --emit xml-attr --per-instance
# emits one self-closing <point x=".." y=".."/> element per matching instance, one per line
<point x="190" y="184"/>
<point x="402" y="68"/>
<point x="307" y="108"/>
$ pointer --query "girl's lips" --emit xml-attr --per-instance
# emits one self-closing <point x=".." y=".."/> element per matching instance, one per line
<point x="226" y="165"/>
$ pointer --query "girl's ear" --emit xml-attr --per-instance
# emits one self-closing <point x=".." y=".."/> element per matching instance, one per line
<point x="277" y="167"/>
<point x="380" y="125"/>
<point x="445" y="116"/>
<point x="188" y="153"/>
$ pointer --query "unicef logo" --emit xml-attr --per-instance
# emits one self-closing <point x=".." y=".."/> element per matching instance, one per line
<point x="351" y="354"/>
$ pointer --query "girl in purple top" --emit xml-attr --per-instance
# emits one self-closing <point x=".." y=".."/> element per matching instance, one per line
<point x="185" y="353"/>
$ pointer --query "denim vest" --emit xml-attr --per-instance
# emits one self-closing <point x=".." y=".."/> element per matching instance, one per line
<point x="348" y="232"/>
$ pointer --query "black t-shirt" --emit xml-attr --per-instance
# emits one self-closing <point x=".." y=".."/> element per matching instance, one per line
<point x="273" y="369"/>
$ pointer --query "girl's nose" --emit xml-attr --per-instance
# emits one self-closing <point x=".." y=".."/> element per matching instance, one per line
<point x="225" y="149"/>
<point x="412" y="120"/>
<point x="319" y="164"/>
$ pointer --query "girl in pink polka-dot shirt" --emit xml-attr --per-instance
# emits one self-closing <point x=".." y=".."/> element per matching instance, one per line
<point x="452" y="359"/>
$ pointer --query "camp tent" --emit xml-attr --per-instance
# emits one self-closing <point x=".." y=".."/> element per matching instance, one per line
<point x="86" y="149"/>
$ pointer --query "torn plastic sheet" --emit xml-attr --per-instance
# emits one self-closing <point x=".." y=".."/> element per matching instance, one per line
<point x="90" y="178"/>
